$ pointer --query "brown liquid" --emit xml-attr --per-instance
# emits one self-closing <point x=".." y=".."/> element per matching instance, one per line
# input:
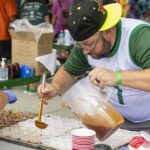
<point x="102" y="132"/>
<point x="40" y="125"/>
<point x="38" y="122"/>
<point x="104" y="124"/>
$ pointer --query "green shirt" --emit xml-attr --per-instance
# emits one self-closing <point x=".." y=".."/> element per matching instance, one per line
<point x="77" y="63"/>
<point x="34" y="11"/>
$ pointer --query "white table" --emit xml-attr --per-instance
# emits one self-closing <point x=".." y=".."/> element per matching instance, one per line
<point x="10" y="146"/>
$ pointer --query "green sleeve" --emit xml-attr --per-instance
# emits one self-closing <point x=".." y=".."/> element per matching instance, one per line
<point x="140" y="47"/>
<point x="76" y="64"/>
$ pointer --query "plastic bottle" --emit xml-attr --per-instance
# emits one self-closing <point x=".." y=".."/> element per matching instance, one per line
<point x="1" y="73"/>
<point x="3" y="70"/>
<point x="67" y="38"/>
<point x="61" y="38"/>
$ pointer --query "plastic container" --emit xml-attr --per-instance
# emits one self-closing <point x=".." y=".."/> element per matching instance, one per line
<point x="140" y="142"/>
<point x="91" y="105"/>
<point x="26" y="71"/>
<point x="3" y="71"/>
<point x="104" y="121"/>
<point x="67" y="37"/>
<point x="61" y="38"/>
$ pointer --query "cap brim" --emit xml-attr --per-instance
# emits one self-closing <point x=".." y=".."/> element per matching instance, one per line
<point x="114" y="13"/>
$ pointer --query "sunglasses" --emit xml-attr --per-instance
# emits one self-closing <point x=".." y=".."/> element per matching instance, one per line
<point x="87" y="48"/>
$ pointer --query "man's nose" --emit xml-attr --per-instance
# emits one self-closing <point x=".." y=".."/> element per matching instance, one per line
<point x="85" y="51"/>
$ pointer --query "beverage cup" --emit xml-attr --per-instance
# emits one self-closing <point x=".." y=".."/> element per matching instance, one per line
<point x="83" y="139"/>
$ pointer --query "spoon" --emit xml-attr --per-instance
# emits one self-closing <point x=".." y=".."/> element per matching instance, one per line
<point x="38" y="122"/>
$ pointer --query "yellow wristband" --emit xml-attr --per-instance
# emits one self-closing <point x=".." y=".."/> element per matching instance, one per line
<point x="118" y="77"/>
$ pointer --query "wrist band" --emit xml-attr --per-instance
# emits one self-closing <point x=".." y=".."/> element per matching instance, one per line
<point x="118" y="77"/>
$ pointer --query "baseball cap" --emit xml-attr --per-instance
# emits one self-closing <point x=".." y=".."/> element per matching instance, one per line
<point x="89" y="16"/>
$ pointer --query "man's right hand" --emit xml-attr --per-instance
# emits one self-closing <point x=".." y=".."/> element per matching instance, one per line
<point x="49" y="92"/>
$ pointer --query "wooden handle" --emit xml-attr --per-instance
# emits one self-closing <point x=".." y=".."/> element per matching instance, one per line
<point x="41" y="100"/>
<point x="40" y="109"/>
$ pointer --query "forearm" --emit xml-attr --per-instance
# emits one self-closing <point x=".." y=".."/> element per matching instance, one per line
<point x="53" y="21"/>
<point x="102" y="77"/>
<point x="63" y="80"/>
<point x="12" y="18"/>
<point x="136" y="79"/>
<point x="46" y="18"/>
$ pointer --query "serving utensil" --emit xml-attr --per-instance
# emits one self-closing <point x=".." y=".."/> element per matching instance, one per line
<point x="38" y="122"/>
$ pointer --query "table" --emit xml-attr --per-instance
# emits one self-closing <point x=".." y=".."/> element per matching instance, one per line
<point x="19" y="81"/>
<point x="22" y="81"/>
<point x="56" y="46"/>
<point x="6" y="145"/>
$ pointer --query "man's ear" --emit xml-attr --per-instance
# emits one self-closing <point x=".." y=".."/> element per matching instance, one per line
<point x="109" y="33"/>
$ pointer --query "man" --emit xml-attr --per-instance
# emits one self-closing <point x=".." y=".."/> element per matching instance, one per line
<point x="8" y="14"/>
<point x="143" y="10"/>
<point x="119" y="51"/>
<point x="7" y="97"/>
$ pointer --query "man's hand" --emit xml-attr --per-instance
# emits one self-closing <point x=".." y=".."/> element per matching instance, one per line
<point x="3" y="99"/>
<point x="65" y="12"/>
<point x="102" y="77"/>
<point x="49" y="92"/>
<point x="12" y="97"/>
<point x="7" y="97"/>
<point x="12" y="18"/>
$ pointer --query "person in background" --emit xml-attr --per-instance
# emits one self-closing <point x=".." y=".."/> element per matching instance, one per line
<point x="8" y="14"/>
<point x="49" y="4"/>
<point x="7" y="97"/>
<point x="143" y="8"/>
<point x="116" y="51"/>
<point x="60" y="14"/>
<point x="132" y="9"/>
<point x="36" y="12"/>
<point x="58" y="18"/>
<point x="18" y="4"/>
<point x="124" y="6"/>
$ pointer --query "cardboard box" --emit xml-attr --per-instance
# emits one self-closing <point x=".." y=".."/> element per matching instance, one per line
<point x="25" y="49"/>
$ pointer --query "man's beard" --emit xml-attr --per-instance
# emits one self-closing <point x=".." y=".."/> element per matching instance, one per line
<point x="106" y="48"/>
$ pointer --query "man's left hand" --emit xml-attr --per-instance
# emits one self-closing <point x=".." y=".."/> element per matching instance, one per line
<point x="102" y="77"/>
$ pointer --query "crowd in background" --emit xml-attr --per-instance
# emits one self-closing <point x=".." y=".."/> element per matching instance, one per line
<point x="139" y="9"/>
<point x="55" y="12"/>
<point x="52" y="11"/>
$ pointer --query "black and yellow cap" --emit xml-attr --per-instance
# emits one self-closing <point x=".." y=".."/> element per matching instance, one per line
<point x="89" y="16"/>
